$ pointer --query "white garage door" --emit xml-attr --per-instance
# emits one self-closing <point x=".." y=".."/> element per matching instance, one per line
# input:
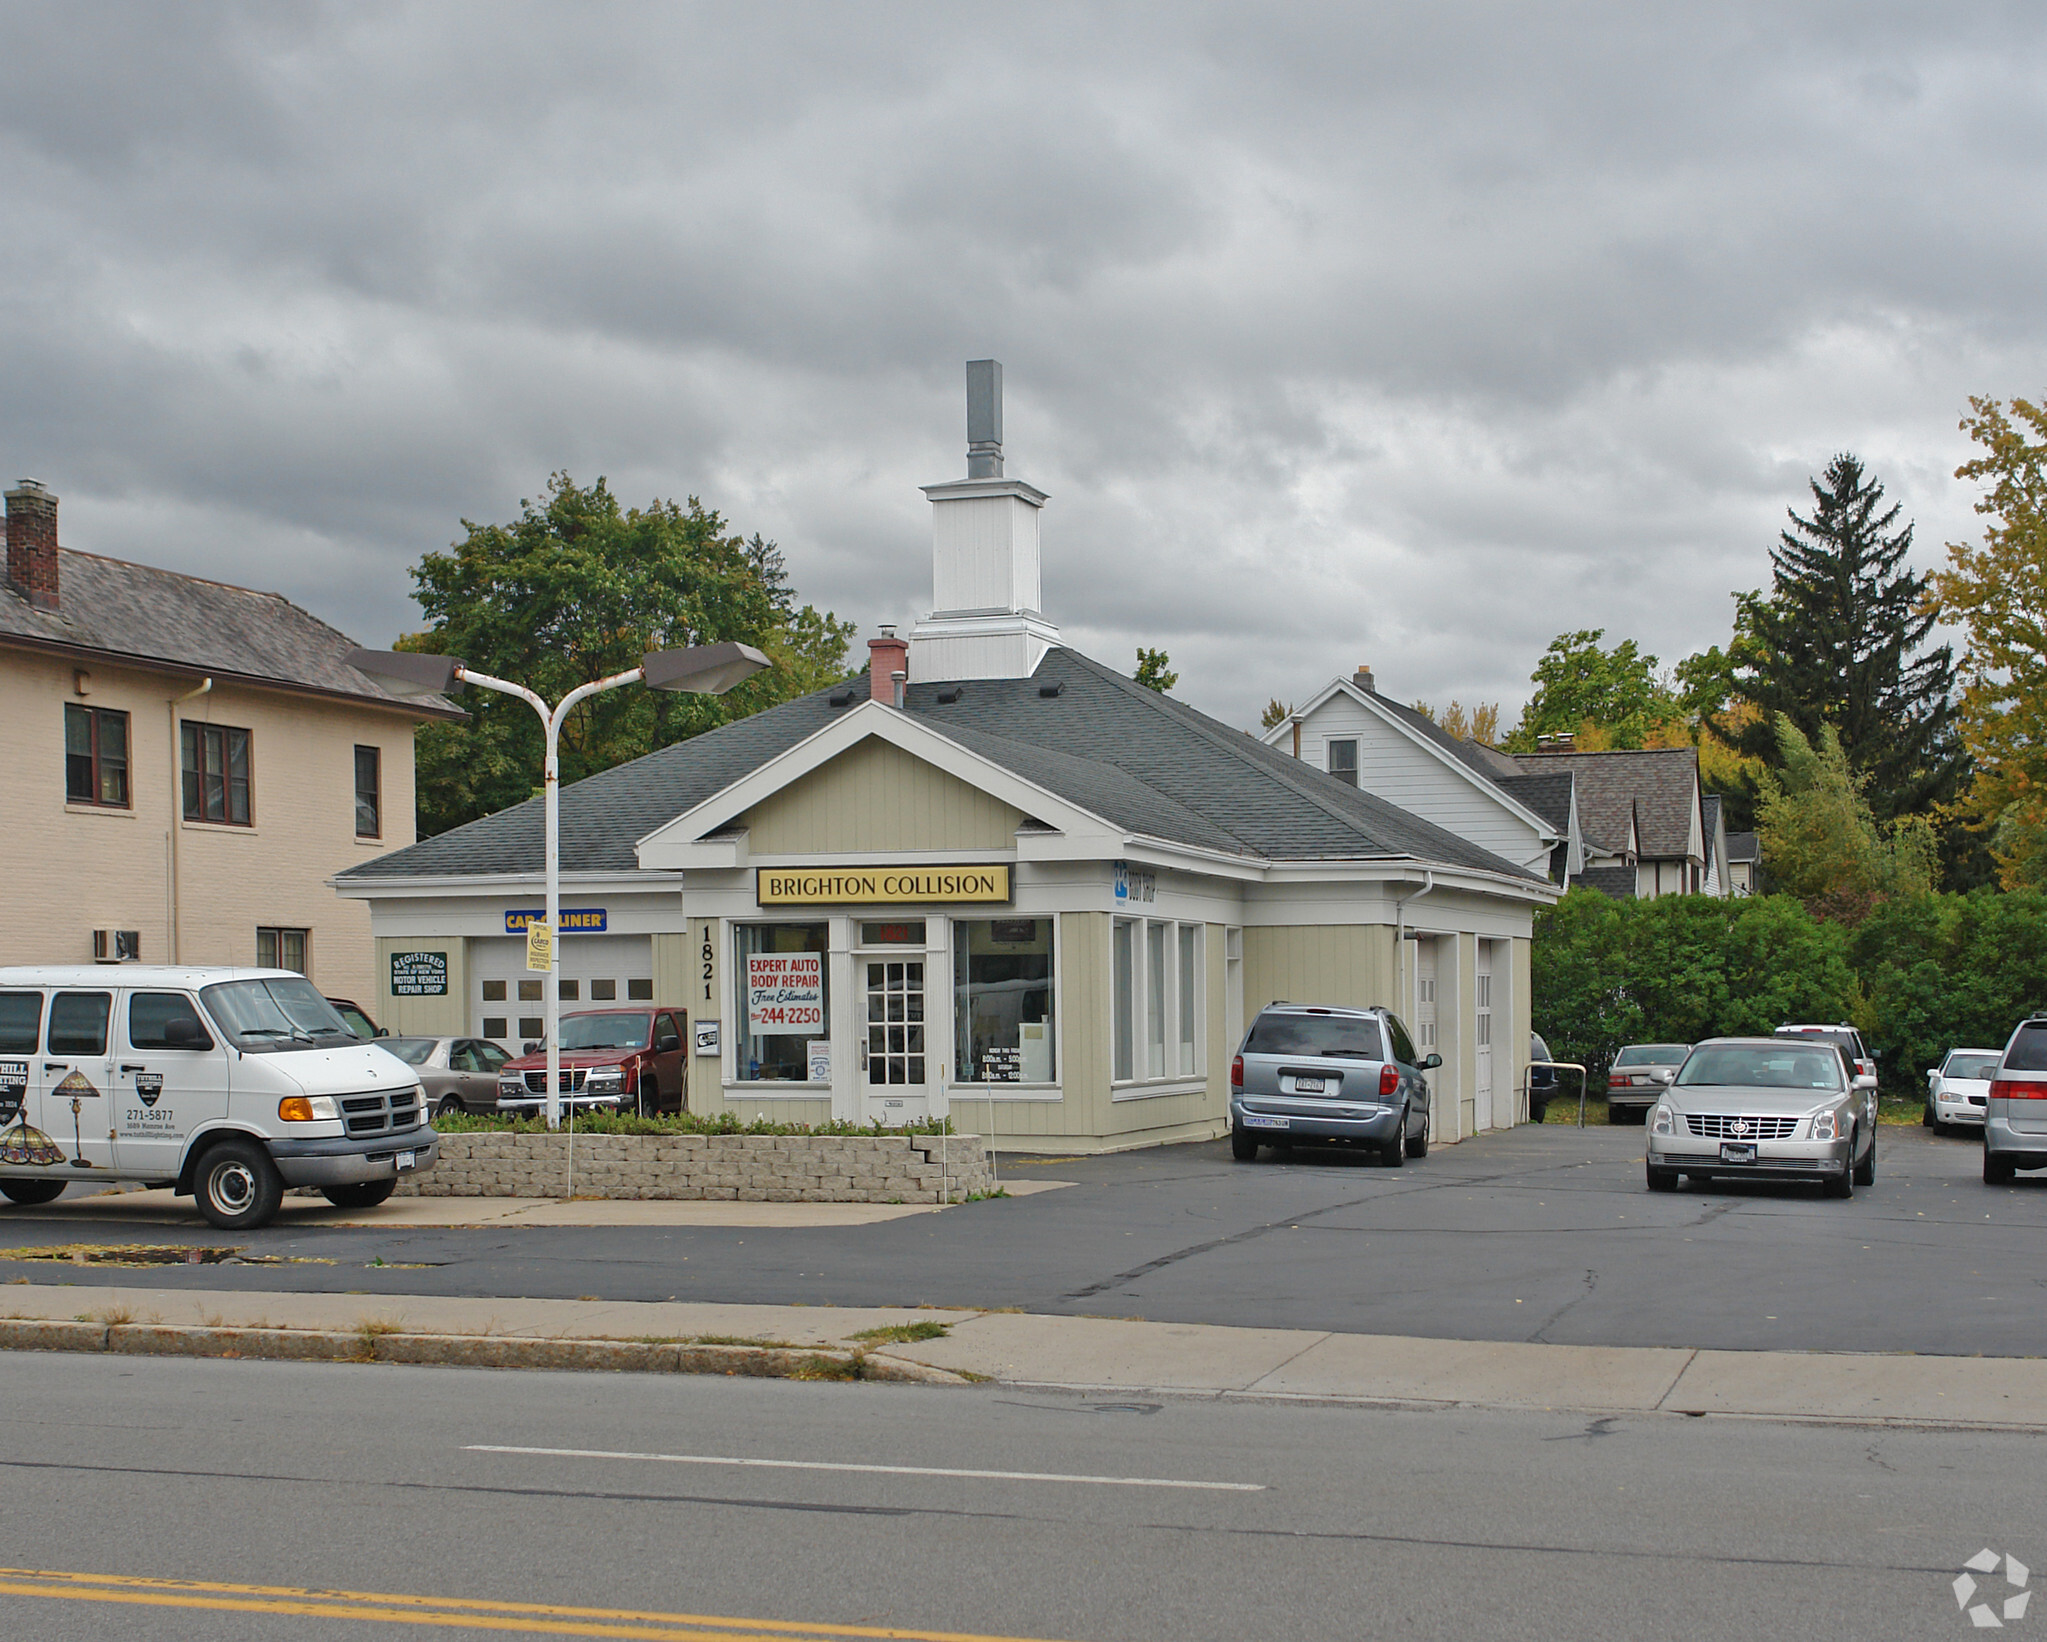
<point x="508" y="1005"/>
<point x="1482" y="1036"/>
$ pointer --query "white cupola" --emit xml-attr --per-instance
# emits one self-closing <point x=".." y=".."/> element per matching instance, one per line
<point x="985" y="620"/>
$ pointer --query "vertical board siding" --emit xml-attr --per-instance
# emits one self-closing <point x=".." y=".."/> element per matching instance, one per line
<point x="425" y="1017"/>
<point x="875" y="797"/>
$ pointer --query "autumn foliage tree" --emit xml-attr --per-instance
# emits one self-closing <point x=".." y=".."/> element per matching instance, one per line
<point x="1998" y="590"/>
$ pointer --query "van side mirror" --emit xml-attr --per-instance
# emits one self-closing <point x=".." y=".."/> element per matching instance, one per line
<point x="1431" y="1062"/>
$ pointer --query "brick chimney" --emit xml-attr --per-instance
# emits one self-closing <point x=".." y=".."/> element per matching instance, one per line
<point x="888" y="665"/>
<point x="1362" y="678"/>
<point x="32" y="544"/>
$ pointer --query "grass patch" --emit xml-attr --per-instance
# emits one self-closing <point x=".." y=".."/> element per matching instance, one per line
<point x="829" y="1368"/>
<point x="683" y="1123"/>
<point x="741" y="1340"/>
<point x="903" y="1334"/>
<point x="112" y="1316"/>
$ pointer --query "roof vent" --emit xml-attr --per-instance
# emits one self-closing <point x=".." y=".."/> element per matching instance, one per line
<point x="1559" y="741"/>
<point x="947" y="697"/>
<point x="1047" y="691"/>
<point x="844" y="698"/>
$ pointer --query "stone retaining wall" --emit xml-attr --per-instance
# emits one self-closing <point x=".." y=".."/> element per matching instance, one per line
<point x="741" y="1168"/>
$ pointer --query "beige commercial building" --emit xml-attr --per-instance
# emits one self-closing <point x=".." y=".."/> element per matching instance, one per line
<point x="188" y="764"/>
<point x="991" y="880"/>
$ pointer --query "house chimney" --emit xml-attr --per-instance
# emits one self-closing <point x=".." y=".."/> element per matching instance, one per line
<point x="984" y="419"/>
<point x="1362" y="678"/>
<point x="888" y="661"/>
<point x="1558" y="741"/>
<point x="32" y="544"/>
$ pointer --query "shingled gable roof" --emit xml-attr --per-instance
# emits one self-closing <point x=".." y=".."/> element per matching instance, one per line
<point x="1657" y="787"/>
<point x="1104" y="744"/>
<point x="138" y="614"/>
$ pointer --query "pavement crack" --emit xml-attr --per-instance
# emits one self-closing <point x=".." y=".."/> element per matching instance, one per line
<point x="1591" y="1285"/>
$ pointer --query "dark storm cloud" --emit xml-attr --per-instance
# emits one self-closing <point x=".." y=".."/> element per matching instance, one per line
<point x="1413" y="335"/>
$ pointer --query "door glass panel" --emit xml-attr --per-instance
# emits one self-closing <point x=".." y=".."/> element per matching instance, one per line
<point x="895" y="1022"/>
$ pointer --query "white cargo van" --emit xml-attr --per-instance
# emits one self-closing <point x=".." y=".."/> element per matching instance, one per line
<point x="229" y="1084"/>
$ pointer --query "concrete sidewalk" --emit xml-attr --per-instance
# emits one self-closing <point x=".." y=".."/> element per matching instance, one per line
<point x="1095" y="1355"/>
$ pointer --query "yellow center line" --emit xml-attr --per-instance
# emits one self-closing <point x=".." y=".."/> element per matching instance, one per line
<point x="468" y="1613"/>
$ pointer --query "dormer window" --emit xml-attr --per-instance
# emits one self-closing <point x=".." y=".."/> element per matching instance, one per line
<point x="1343" y="761"/>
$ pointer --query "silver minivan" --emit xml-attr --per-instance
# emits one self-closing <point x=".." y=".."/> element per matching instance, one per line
<point x="2015" y="1119"/>
<point x="1328" y="1075"/>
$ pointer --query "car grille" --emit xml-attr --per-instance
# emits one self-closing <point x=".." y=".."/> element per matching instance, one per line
<point x="381" y="1114"/>
<point x="571" y="1080"/>
<point x="1727" y="1126"/>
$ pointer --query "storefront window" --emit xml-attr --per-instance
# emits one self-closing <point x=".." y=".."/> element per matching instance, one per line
<point x="1190" y="978"/>
<point x="1002" y="1000"/>
<point x="1125" y="1001"/>
<point x="783" y="1000"/>
<point x="1160" y="1001"/>
<point x="1155" y="1000"/>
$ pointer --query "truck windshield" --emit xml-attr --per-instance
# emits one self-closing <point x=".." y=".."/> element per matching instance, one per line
<point x="621" y="1031"/>
<point x="1346" y="1037"/>
<point x="265" y="1015"/>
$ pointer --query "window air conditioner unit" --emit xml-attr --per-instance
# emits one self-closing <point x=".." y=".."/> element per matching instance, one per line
<point x="116" y="946"/>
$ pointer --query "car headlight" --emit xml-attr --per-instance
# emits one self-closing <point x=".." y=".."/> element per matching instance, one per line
<point x="511" y="1086"/>
<point x="308" y="1109"/>
<point x="1662" y="1121"/>
<point x="605" y="1079"/>
<point x="1825" y="1125"/>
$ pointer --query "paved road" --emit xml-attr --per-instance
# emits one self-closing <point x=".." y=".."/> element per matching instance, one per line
<point x="1543" y="1233"/>
<point x="1337" y="1522"/>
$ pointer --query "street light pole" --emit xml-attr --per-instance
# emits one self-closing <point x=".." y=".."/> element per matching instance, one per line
<point x="708" y="669"/>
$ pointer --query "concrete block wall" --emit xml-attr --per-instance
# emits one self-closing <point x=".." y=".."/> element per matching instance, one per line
<point x="741" y="1168"/>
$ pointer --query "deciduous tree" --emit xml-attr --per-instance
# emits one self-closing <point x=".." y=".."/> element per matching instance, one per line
<point x="1579" y="683"/>
<point x="1821" y="843"/>
<point x="1154" y="670"/>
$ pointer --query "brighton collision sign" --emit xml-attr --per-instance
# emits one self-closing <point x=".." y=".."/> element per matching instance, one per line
<point x="880" y="886"/>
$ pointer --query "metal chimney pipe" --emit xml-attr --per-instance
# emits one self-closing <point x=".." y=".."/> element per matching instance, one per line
<point x="984" y="419"/>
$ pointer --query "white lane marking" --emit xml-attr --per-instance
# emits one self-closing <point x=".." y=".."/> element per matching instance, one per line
<point x="885" y="1470"/>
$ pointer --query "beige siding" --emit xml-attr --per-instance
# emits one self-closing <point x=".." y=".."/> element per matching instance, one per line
<point x="876" y="798"/>
<point x="97" y="868"/>
<point x="423" y="1017"/>
<point x="1348" y="964"/>
<point x="1465" y="1099"/>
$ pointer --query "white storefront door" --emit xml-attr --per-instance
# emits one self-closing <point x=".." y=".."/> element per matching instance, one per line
<point x="507" y="1003"/>
<point x="1482" y="1036"/>
<point x="894" y="1052"/>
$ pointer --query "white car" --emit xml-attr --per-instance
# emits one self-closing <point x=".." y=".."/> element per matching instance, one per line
<point x="1958" y="1089"/>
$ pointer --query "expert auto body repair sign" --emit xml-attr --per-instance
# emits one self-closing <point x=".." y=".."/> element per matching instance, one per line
<point x="785" y="992"/>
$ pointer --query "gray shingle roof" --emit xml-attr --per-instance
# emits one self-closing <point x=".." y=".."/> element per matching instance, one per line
<point x="1742" y="846"/>
<point x="137" y="612"/>
<point x="1616" y="882"/>
<point x="1548" y="794"/>
<point x="1488" y="761"/>
<point x="1105" y="743"/>
<point x="1656" y="785"/>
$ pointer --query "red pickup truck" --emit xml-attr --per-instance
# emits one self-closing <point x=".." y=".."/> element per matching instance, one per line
<point x="613" y="1059"/>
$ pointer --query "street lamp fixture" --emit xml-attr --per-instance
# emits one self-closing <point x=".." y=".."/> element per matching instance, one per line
<point x="699" y="669"/>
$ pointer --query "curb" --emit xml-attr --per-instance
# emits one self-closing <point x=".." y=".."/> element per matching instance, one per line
<point x="377" y="1345"/>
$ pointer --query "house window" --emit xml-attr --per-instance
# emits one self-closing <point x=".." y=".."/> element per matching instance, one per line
<point x="369" y="785"/>
<point x="1343" y="762"/>
<point x="1159" y="1002"/>
<point x="282" y="948"/>
<point x="95" y="756"/>
<point x="215" y="760"/>
<point x="1002" y="1000"/>
<point x="784" y="999"/>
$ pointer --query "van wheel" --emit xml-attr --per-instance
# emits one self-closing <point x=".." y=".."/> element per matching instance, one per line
<point x="1242" y="1147"/>
<point x="31" y="1191"/>
<point x="238" y="1188"/>
<point x="1997" y="1171"/>
<point x="365" y="1194"/>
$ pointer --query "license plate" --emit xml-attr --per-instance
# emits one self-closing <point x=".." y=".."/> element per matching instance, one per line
<point x="1266" y="1122"/>
<point x="1309" y="1086"/>
<point x="408" y="1160"/>
<point x="1730" y="1152"/>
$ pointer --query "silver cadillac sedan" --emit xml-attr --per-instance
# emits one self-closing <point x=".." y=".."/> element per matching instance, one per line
<point x="1765" y="1109"/>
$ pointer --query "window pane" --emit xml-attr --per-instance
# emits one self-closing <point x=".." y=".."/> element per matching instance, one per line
<point x="571" y="991"/>
<point x="1343" y="761"/>
<point x="291" y="949"/>
<point x="189" y="764"/>
<point x="21" y="1022"/>
<point x="1190" y="975"/>
<point x="1002" y="1000"/>
<point x="494" y="992"/>
<point x="113" y="758"/>
<point x="238" y="776"/>
<point x="641" y="990"/>
<point x="149" y="1021"/>
<point x="266" y="949"/>
<point x="604" y="991"/>
<point x="212" y="763"/>
<point x="529" y="992"/>
<point x="532" y="1026"/>
<point x="1155" y="1000"/>
<point x="78" y="1022"/>
<point x="783" y="1002"/>
<point x="368" y="794"/>
<point x="79" y="786"/>
<point x="494" y="1026"/>
<point x="1124" y="982"/>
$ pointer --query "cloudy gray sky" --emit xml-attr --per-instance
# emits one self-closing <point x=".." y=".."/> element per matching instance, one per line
<point x="1409" y="334"/>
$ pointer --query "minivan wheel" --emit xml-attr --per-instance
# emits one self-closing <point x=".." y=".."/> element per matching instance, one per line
<point x="364" y="1194"/>
<point x="1418" y="1145"/>
<point x="238" y="1188"/>
<point x="1394" y="1152"/>
<point x="1865" y="1171"/>
<point x="29" y="1192"/>
<point x="1242" y="1147"/>
<point x="1997" y="1171"/>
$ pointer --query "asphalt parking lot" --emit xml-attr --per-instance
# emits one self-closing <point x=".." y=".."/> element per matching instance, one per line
<point x="1544" y="1233"/>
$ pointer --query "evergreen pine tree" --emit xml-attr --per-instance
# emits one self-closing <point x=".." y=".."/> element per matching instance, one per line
<point x="1837" y="643"/>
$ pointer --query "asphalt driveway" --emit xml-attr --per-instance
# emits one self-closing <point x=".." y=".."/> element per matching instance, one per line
<point x="1545" y="1233"/>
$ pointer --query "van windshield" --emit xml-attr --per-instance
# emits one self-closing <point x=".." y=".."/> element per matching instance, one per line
<point x="1346" y="1037"/>
<point x="262" y="1016"/>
